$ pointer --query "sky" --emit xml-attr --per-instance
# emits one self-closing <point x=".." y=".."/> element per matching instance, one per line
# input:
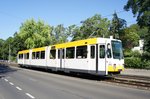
<point x="54" y="12"/>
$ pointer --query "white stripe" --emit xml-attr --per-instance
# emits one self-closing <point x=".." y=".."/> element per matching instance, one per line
<point x="18" y="88"/>
<point x="11" y="83"/>
<point x="30" y="95"/>
<point x="5" y="79"/>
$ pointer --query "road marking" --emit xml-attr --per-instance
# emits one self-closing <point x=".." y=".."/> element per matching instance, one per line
<point x="30" y="95"/>
<point x="11" y="83"/>
<point x="6" y="80"/>
<point x="18" y="88"/>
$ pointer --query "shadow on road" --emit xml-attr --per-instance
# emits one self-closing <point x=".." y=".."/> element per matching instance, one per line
<point x="4" y="69"/>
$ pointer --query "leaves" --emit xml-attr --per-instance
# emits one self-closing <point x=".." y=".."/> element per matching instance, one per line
<point x="141" y="9"/>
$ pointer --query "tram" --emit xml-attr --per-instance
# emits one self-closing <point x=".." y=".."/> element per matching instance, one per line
<point x="99" y="56"/>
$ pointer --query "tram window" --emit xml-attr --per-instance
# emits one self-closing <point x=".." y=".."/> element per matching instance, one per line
<point x="102" y="51"/>
<point x="26" y="56"/>
<point x="42" y="54"/>
<point x="61" y="52"/>
<point x="108" y="51"/>
<point x="20" y="56"/>
<point x="92" y="51"/>
<point x="37" y="55"/>
<point x="52" y="54"/>
<point x="70" y="52"/>
<point x="33" y="55"/>
<point x="81" y="52"/>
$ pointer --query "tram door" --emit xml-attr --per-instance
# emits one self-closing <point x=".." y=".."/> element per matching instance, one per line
<point x="92" y="58"/>
<point x="101" y="59"/>
<point x="61" y="61"/>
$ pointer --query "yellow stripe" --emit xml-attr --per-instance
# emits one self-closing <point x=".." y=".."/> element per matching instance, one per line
<point x="24" y="51"/>
<point x="77" y="43"/>
<point x="115" y="69"/>
<point x="38" y="49"/>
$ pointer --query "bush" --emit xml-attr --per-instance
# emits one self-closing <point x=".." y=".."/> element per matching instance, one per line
<point x="129" y="53"/>
<point x="135" y="62"/>
<point x="146" y="55"/>
<point x="147" y="64"/>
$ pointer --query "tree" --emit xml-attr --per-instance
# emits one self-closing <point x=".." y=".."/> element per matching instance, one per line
<point x="59" y="34"/>
<point x="5" y="48"/>
<point x="129" y="38"/>
<point x="95" y="26"/>
<point x="35" y="34"/>
<point x="1" y="47"/>
<point x="117" y="26"/>
<point x="141" y="8"/>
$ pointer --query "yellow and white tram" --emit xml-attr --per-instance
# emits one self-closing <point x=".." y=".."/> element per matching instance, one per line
<point x="98" y="56"/>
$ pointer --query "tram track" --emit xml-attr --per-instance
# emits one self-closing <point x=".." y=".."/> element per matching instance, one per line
<point x="140" y="82"/>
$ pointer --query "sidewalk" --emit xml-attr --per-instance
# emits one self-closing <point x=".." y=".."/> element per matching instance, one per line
<point x="138" y="72"/>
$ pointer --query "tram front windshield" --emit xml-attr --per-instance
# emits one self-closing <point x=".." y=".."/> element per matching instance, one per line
<point x="117" y="50"/>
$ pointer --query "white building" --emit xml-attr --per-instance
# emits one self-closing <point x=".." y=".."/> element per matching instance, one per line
<point x="140" y="47"/>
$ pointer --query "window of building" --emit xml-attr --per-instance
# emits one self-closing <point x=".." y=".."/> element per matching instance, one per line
<point x="70" y="52"/>
<point x="42" y="54"/>
<point x="92" y="51"/>
<point x="81" y="52"/>
<point x="102" y="51"/>
<point x="52" y="54"/>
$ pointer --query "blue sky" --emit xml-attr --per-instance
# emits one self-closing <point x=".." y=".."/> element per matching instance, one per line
<point x="54" y="12"/>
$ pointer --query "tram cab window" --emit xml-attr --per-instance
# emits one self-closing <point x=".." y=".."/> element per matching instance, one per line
<point x="70" y="52"/>
<point x="42" y="54"/>
<point x="102" y="51"/>
<point x="109" y="51"/>
<point x="92" y="52"/>
<point x="81" y="52"/>
<point x="52" y="54"/>
<point x="61" y="53"/>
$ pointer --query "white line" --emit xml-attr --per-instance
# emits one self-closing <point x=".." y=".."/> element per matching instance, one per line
<point x="18" y="88"/>
<point x="6" y="80"/>
<point x="30" y="95"/>
<point x="11" y="83"/>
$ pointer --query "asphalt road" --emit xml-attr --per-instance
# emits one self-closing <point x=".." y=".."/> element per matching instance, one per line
<point x="18" y="83"/>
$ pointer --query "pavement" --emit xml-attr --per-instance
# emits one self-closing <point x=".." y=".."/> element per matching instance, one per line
<point x="19" y="83"/>
<point x="136" y="72"/>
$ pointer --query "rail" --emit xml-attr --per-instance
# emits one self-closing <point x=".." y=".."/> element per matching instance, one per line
<point x="141" y="82"/>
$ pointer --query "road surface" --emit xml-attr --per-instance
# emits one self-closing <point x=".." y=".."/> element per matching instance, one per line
<point x="19" y="83"/>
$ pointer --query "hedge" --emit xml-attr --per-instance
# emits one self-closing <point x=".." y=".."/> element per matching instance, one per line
<point x="136" y="62"/>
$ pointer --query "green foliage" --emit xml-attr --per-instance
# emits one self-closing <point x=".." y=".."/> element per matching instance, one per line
<point x="129" y="38"/>
<point x="35" y="34"/>
<point x="59" y="34"/>
<point x="117" y="25"/>
<point x="1" y="50"/>
<point x="133" y="62"/>
<point x="141" y="8"/>
<point x="134" y="59"/>
<point x="95" y="26"/>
